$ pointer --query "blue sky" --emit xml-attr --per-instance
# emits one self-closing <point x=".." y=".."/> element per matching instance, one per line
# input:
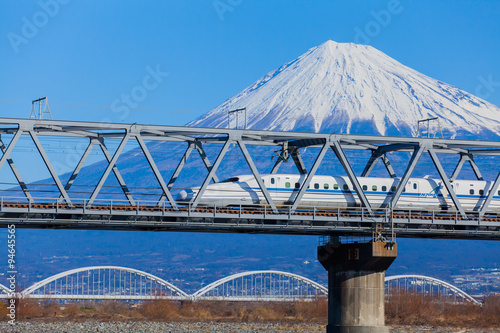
<point x="86" y="55"/>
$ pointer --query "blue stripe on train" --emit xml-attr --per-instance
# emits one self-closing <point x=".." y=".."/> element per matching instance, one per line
<point x="406" y="194"/>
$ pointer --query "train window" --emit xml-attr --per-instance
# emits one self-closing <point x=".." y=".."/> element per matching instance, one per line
<point x="414" y="186"/>
<point x="316" y="186"/>
<point x="297" y="185"/>
<point x="365" y="187"/>
<point x="481" y="192"/>
<point x="272" y="180"/>
<point x="384" y="188"/>
<point x="336" y="187"/>
<point x="393" y="188"/>
<point x="498" y="192"/>
<point x="346" y="188"/>
<point x="471" y="191"/>
<point x="374" y="187"/>
<point x="287" y="184"/>
<point x="404" y="189"/>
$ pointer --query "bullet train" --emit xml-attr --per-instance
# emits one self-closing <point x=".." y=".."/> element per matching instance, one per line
<point x="338" y="192"/>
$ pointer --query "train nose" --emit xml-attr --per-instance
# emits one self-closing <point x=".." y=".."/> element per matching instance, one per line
<point x="184" y="195"/>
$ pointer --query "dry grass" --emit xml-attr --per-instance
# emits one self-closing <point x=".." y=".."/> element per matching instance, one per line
<point x="159" y="310"/>
<point x="403" y="309"/>
<point x="416" y="309"/>
<point x="28" y="309"/>
<point x="164" y="310"/>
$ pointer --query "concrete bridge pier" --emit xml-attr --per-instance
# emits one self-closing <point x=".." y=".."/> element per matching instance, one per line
<point x="356" y="273"/>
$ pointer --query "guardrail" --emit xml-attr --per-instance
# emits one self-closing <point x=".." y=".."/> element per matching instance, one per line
<point x="304" y="220"/>
<point x="114" y="206"/>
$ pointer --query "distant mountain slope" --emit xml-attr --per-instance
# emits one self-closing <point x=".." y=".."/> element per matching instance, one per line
<point x="349" y="88"/>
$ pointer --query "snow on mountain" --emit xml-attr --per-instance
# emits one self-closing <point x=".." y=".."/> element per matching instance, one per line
<point x="350" y="88"/>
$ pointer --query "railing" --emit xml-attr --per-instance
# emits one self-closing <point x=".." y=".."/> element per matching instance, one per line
<point x="116" y="206"/>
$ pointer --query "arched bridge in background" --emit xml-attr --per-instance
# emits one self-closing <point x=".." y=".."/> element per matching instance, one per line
<point x="121" y="283"/>
<point x="426" y="285"/>
<point x="104" y="282"/>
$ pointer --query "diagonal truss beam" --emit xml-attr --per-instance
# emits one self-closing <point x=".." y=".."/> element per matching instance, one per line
<point x="297" y="159"/>
<point x="310" y="176"/>
<point x="447" y="183"/>
<point x="276" y="166"/>
<point x="181" y="164"/>
<point x="257" y="176"/>
<point x="8" y="151"/>
<point x="78" y="167"/>
<point x="373" y="161"/>
<point x="337" y="149"/>
<point x="283" y="156"/>
<point x="109" y="168"/>
<point x="475" y="168"/>
<point x="415" y="157"/>
<point x="205" y="160"/>
<point x="16" y="173"/>
<point x="49" y="166"/>
<point x="491" y="193"/>
<point x="388" y="166"/>
<point x="211" y="174"/>
<point x="458" y="168"/>
<point x="156" y="172"/>
<point x="116" y="172"/>
<point x="370" y="164"/>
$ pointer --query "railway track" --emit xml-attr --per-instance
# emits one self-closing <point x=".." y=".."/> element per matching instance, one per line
<point x="238" y="211"/>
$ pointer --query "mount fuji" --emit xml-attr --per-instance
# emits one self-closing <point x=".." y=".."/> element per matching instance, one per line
<point x="350" y="88"/>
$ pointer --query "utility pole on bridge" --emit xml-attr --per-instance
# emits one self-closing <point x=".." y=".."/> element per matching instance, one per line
<point x="46" y="110"/>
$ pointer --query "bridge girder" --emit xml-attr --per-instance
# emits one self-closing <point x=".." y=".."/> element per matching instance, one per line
<point x="195" y="138"/>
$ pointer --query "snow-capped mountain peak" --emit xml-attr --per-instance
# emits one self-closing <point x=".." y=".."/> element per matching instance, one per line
<point x="350" y="88"/>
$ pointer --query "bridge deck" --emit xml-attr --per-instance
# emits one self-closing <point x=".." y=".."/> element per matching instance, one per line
<point x="342" y="221"/>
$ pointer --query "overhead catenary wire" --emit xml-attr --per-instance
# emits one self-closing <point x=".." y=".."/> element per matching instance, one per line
<point x="107" y="107"/>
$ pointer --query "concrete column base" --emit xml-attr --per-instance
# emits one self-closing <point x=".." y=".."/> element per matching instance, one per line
<point x="356" y="273"/>
<point x="356" y="329"/>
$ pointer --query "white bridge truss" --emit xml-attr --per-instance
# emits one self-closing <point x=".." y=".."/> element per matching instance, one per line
<point x="121" y="283"/>
<point x="104" y="282"/>
<point x="262" y="285"/>
<point x="427" y="286"/>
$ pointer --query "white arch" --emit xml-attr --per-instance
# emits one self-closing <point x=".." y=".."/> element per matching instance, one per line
<point x="4" y="289"/>
<point x="437" y="282"/>
<point x="154" y="278"/>
<point x="219" y="282"/>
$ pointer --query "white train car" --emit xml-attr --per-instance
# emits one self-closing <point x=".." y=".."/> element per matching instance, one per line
<point x="338" y="192"/>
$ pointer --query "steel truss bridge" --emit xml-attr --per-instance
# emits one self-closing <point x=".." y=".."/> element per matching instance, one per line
<point x="121" y="283"/>
<point x="67" y="209"/>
